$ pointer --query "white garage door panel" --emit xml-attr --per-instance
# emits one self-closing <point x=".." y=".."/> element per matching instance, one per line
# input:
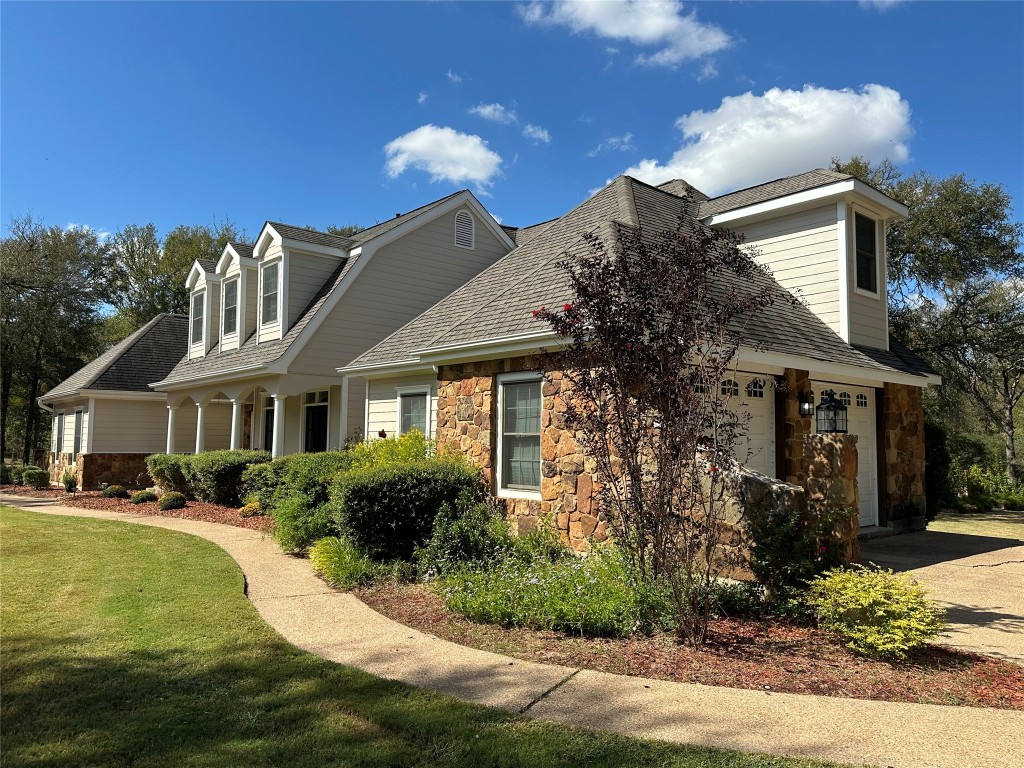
<point x="757" y="448"/>
<point x="861" y="422"/>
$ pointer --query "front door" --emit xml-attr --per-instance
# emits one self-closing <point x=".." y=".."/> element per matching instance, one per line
<point x="316" y="428"/>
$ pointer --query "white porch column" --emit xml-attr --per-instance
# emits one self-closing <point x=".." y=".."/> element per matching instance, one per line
<point x="278" y="449"/>
<point x="236" y="424"/>
<point x="171" y="411"/>
<point x="200" y="427"/>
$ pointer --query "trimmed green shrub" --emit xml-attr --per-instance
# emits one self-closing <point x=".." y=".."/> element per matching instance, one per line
<point x="878" y="612"/>
<point x="171" y="500"/>
<point x="115" y="492"/>
<point x="1011" y="502"/>
<point x="70" y="482"/>
<point x="388" y="512"/>
<point x="216" y="476"/>
<point x="342" y="565"/>
<point x="260" y="481"/>
<point x="18" y="473"/>
<point x="298" y="524"/>
<point x="141" y="497"/>
<point x="251" y="509"/>
<point x="35" y="477"/>
<point x="166" y="471"/>
<point x="468" y="532"/>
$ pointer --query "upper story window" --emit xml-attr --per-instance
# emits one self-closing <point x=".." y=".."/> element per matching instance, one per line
<point x="197" y="317"/>
<point x="231" y="306"/>
<point x="519" y="447"/>
<point x="465" y="230"/>
<point x="270" y="287"/>
<point x="866" y="246"/>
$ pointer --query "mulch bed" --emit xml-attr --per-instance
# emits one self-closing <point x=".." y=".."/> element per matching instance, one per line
<point x="193" y="510"/>
<point x="759" y="655"/>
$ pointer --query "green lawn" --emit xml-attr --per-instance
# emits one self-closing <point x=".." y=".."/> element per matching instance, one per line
<point x="1000" y="524"/>
<point x="132" y="646"/>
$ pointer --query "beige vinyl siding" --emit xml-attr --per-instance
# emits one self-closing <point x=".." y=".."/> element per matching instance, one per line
<point x="247" y="321"/>
<point x="802" y="251"/>
<point x="306" y="276"/>
<point x="213" y="324"/>
<point x="270" y="331"/>
<point x="401" y="281"/>
<point x="356" y="409"/>
<point x="868" y="320"/>
<point x="382" y="402"/>
<point x="292" y="437"/>
<point x="197" y="350"/>
<point x="69" y="409"/>
<point x="231" y="340"/>
<point x="184" y="428"/>
<point x="131" y="426"/>
<point x="218" y="427"/>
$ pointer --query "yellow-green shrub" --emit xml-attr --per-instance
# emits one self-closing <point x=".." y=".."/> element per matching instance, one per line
<point x="878" y="612"/>
<point x="341" y="564"/>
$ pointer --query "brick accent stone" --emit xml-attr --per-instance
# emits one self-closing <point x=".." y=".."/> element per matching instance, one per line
<point x="903" y="446"/>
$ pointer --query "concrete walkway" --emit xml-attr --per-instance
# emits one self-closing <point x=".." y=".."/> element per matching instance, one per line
<point x="979" y="580"/>
<point x="339" y="627"/>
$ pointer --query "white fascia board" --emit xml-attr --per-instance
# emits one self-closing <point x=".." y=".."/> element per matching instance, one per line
<point x="312" y="249"/>
<point x="499" y="347"/>
<point x="851" y="373"/>
<point x="114" y="394"/>
<point x="248" y="371"/>
<point x="819" y="195"/>
<point x="231" y="256"/>
<point x="383" y="370"/>
<point x="267" y="233"/>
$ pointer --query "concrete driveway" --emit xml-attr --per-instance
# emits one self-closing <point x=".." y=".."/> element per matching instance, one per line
<point x="978" y="579"/>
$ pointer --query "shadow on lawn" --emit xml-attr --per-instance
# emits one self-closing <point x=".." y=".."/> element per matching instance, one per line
<point x="270" y="704"/>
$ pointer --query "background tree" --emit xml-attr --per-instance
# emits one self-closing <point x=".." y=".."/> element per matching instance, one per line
<point x="653" y="329"/>
<point x="955" y="296"/>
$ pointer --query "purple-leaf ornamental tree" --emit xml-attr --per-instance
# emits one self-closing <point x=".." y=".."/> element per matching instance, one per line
<point x="650" y="348"/>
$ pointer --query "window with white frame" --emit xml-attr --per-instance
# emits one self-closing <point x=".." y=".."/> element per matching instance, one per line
<point x="519" y="407"/>
<point x="730" y="388"/>
<point x="198" y="312"/>
<point x="465" y="230"/>
<point x="844" y="398"/>
<point x="413" y="408"/>
<point x="77" y="447"/>
<point x="866" y="247"/>
<point x="270" y="291"/>
<point x="231" y="306"/>
<point x="59" y="445"/>
<point x="862" y="401"/>
<point x="755" y="389"/>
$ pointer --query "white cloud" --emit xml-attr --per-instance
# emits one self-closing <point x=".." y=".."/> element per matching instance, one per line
<point x="878" y="5"/>
<point x="623" y="143"/>
<point x="495" y="113"/>
<point x="536" y="133"/>
<point x="659" y="24"/>
<point x="751" y="139"/>
<point x="422" y="98"/>
<point x="445" y="154"/>
<point x="455" y="77"/>
<point x="101" y="234"/>
<point x="708" y="70"/>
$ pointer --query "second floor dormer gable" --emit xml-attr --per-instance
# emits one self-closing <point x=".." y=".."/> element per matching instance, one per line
<point x="239" y="274"/>
<point x="822" y="234"/>
<point x="204" y="285"/>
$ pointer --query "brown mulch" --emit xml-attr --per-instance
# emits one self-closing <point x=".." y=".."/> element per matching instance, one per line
<point x="759" y="655"/>
<point x="193" y="510"/>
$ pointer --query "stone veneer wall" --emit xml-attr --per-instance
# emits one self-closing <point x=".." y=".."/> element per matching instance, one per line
<point x="91" y="469"/>
<point x="796" y="428"/>
<point x="830" y="480"/>
<point x="903" y="449"/>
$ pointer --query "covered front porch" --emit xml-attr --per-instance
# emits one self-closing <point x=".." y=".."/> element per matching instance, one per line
<point x="283" y="415"/>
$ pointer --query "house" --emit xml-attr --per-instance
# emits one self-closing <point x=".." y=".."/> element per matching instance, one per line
<point x="253" y="365"/>
<point x="469" y="372"/>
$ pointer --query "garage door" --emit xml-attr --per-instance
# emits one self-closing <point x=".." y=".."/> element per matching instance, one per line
<point x="755" y="397"/>
<point x="860" y="404"/>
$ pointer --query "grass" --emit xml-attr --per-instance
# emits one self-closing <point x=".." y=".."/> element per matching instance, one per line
<point x="130" y="646"/>
<point x="997" y="523"/>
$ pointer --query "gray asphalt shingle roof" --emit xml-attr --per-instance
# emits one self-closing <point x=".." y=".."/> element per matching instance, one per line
<point x="305" y="235"/>
<point x="770" y="190"/>
<point x="498" y="303"/>
<point x="386" y="226"/>
<point x="130" y="365"/>
<point x="243" y="249"/>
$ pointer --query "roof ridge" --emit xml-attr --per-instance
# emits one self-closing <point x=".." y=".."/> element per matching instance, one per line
<point x="781" y="178"/>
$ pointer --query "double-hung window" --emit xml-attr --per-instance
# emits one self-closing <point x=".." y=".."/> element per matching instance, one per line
<point x="270" y="288"/>
<point x="412" y="411"/>
<point x="197" y="317"/>
<point x="230" y="307"/>
<point x="60" y="434"/>
<point x="77" y="447"/>
<point x="866" y="246"/>
<point x="519" y="404"/>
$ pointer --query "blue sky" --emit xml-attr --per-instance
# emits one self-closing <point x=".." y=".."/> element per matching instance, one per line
<point x="337" y="113"/>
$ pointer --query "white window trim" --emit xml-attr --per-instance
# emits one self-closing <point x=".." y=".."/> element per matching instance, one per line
<point x="472" y="230"/>
<point x="192" y="317"/>
<point x="879" y="251"/>
<point x="500" y="491"/>
<point x="412" y="390"/>
<point x="237" y="279"/>
<point x="81" y="433"/>
<point x="279" y="261"/>
<point x="61" y="429"/>
<point x="302" y="416"/>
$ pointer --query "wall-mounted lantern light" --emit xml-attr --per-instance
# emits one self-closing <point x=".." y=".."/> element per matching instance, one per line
<point x="831" y="414"/>
<point x="806" y="404"/>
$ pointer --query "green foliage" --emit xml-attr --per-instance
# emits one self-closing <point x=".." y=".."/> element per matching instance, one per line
<point x="390" y="452"/>
<point x="938" y="464"/>
<point x="980" y="481"/>
<point x="216" y="476"/>
<point x="7" y="474"/>
<point x="878" y="612"/>
<point x="167" y="471"/>
<point x="468" y="532"/>
<point x="260" y="481"/>
<point x="342" y="565"/>
<point x="37" y="478"/>
<point x="387" y="511"/>
<point x="70" y="481"/>
<point x="252" y="509"/>
<point x="1013" y="502"/>
<point x="115" y="492"/>
<point x="594" y="595"/>
<point x="171" y="500"/>
<point x="788" y="550"/>
<point x="142" y="497"/>
<point x="298" y="524"/>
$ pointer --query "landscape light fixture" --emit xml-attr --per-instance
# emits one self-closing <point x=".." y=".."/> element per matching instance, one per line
<point x="831" y="414"/>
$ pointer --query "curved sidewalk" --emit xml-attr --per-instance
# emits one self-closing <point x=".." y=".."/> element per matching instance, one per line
<point x="339" y="627"/>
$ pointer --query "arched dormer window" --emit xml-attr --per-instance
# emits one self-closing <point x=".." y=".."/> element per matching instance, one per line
<point x="465" y="230"/>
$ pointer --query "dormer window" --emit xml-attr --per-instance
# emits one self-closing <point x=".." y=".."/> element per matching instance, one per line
<point x="465" y="230"/>
<point x="231" y="307"/>
<point x="269" y="297"/>
<point x="866" y="235"/>
<point x="197" y="318"/>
